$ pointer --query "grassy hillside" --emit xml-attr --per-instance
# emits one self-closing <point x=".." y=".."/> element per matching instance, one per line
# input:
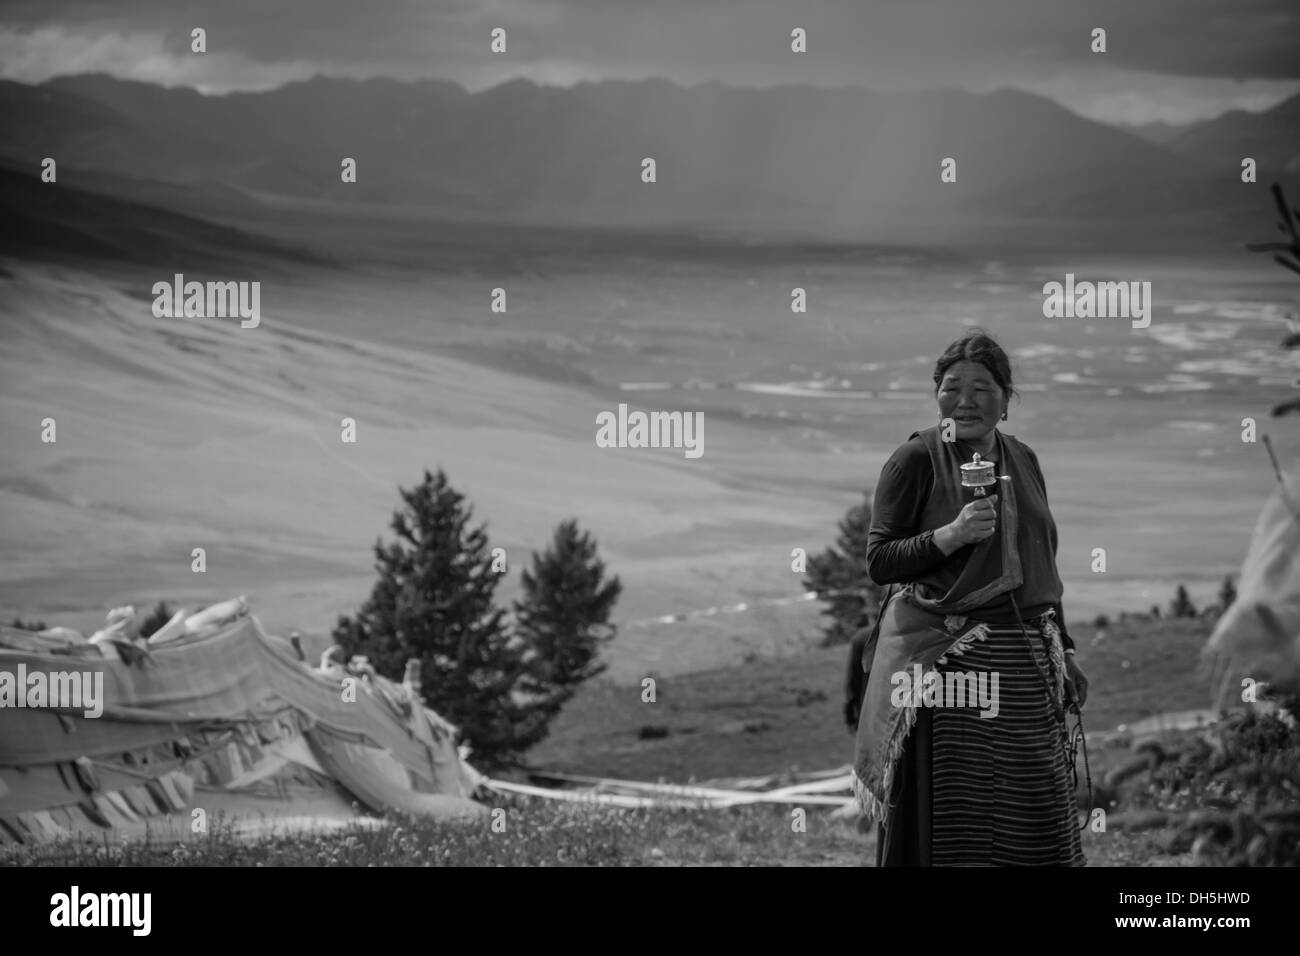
<point x="784" y="714"/>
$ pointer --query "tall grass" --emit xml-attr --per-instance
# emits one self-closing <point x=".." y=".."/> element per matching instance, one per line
<point x="527" y="833"/>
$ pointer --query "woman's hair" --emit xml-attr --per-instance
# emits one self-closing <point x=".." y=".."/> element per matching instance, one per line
<point x="977" y="346"/>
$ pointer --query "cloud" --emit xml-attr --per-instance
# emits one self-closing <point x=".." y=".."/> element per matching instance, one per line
<point x="884" y="44"/>
<point x="1130" y="97"/>
<point x="36" y="55"/>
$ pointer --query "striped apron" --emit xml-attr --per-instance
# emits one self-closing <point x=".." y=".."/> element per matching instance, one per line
<point x="988" y="791"/>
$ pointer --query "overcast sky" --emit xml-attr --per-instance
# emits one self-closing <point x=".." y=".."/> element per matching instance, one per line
<point x="1213" y="55"/>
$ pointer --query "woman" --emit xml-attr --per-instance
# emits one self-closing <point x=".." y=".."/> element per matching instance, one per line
<point x="951" y="783"/>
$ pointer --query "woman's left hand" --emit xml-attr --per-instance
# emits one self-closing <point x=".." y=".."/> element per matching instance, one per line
<point x="1075" y="676"/>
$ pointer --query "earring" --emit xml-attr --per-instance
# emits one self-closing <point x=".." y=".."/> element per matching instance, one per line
<point x="1004" y="416"/>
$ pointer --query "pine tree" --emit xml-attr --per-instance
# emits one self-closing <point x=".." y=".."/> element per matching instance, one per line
<point x="1289" y="225"/>
<point x="563" y="615"/>
<point x="1227" y="593"/>
<point x="839" y="575"/>
<point x="434" y="600"/>
<point x="1182" y="605"/>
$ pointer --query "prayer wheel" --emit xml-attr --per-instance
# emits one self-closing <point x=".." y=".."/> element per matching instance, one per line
<point x="979" y="475"/>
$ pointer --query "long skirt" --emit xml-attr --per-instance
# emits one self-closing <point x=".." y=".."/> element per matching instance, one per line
<point x="987" y="791"/>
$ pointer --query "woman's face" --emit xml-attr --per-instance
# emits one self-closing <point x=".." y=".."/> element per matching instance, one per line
<point x="970" y="397"/>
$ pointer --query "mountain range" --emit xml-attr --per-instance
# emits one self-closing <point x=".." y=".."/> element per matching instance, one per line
<point x="790" y="157"/>
<point x="1271" y="137"/>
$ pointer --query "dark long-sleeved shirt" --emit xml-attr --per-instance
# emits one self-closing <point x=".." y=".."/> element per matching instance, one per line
<point x="898" y="551"/>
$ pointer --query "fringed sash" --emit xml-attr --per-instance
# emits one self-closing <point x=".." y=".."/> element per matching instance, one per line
<point x="912" y="636"/>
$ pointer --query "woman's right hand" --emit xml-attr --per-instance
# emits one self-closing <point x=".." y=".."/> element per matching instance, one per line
<point x="977" y="521"/>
